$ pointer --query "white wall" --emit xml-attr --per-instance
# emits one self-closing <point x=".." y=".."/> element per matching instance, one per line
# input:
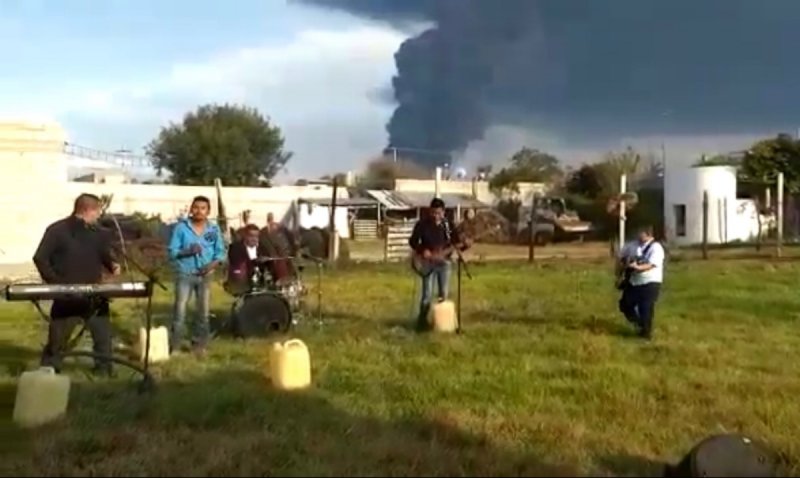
<point x="746" y="221"/>
<point x="729" y="219"/>
<point x="467" y="187"/>
<point x="32" y="185"/>
<point x="36" y="192"/>
<point x="312" y="215"/>
<point x="171" y="202"/>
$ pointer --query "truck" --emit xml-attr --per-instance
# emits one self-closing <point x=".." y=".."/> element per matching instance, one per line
<point x="554" y="222"/>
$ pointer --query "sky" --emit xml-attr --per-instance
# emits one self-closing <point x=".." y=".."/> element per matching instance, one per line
<point x="112" y="72"/>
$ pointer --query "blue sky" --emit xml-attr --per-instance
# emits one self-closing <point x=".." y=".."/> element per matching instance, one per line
<point x="112" y="72"/>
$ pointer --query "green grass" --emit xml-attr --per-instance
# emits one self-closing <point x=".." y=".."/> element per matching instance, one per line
<point x="545" y="379"/>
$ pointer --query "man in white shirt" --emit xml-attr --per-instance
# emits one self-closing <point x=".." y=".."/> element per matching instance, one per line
<point x="640" y="293"/>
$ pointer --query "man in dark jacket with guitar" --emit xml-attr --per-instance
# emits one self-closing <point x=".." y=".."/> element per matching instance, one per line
<point x="433" y="241"/>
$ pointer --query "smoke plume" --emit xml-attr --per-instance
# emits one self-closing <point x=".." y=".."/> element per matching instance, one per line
<point x="589" y="69"/>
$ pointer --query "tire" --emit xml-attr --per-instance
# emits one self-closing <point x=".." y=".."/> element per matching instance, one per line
<point x="542" y="238"/>
<point x="313" y="241"/>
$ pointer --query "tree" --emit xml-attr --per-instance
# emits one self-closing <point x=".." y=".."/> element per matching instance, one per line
<point x="381" y="173"/>
<point x="765" y="159"/>
<point x="234" y="143"/>
<point x="527" y="165"/>
<point x="585" y="181"/>
<point x="615" y="164"/>
<point x="718" y="160"/>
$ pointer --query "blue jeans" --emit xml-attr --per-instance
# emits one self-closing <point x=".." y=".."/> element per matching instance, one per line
<point x="440" y="275"/>
<point x="638" y="304"/>
<point x="185" y="286"/>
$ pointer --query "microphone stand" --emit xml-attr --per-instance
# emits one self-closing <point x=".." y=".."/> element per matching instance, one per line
<point x="461" y="266"/>
<point x="147" y="384"/>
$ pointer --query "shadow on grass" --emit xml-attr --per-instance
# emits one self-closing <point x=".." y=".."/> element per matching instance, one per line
<point x="629" y="465"/>
<point x="15" y="358"/>
<point x="232" y="424"/>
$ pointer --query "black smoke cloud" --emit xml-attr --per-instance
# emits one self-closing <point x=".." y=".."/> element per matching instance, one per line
<point x="590" y="69"/>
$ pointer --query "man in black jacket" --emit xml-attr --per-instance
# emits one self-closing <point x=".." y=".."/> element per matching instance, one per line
<point x="74" y="251"/>
<point x="433" y="240"/>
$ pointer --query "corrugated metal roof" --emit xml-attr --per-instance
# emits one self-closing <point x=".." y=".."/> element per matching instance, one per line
<point x="394" y="200"/>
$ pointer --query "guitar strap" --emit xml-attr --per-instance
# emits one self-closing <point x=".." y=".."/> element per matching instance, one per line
<point x="647" y="248"/>
<point x="627" y="273"/>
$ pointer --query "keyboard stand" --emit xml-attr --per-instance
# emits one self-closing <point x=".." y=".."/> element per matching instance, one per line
<point x="147" y="384"/>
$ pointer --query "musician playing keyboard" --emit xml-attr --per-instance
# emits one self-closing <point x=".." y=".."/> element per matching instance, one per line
<point x="433" y="240"/>
<point x="74" y="251"/>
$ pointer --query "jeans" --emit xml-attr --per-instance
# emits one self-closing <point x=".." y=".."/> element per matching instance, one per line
<point x="440" y="275"/>
<point x="638" y="303"/>
<point x="185" y="286"/>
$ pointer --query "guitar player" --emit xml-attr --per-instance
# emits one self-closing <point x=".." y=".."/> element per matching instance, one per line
<point x="433" y="241"/>
<point x="641" y="272"/>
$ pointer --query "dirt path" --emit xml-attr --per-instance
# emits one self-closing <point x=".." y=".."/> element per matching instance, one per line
<point x="372" y="251"/>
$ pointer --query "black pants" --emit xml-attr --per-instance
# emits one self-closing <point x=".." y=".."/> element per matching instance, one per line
<point x="62" y="326"/>
<point x="638" y="303"/>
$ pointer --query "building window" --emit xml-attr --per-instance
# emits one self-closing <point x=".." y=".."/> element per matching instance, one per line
<point x="680" y="220"/>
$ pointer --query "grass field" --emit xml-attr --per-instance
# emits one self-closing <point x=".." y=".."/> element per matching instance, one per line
<point x="545" y="379"/>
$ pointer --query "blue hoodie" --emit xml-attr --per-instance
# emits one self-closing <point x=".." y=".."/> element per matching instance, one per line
<point x="183" y="236"/>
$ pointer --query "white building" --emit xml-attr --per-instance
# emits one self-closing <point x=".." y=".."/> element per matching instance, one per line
<point x="729" y="219"/>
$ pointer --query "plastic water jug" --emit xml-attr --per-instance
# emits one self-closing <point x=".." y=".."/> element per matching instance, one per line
<point x="290" y="365"/>
<point x="443" y="317"/>
<point x="159" y="344"/>
<point x="42" y="397"/>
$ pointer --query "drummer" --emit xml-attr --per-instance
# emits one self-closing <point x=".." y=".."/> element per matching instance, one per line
<point x="245" y="258"/>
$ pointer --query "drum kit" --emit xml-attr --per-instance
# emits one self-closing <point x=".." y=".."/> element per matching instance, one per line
<point x="267" y="306"/>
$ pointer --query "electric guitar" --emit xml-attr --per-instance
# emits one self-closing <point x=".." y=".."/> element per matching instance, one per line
<point x="625" y="272"/>
<point x="424" y="266"/>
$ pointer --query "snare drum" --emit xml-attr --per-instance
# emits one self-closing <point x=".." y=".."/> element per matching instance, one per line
<point x="260" y="314"/>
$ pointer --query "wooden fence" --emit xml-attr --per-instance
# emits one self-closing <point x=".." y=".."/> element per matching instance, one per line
<point x="365" y="229"/>
<point x="397" y="248"/>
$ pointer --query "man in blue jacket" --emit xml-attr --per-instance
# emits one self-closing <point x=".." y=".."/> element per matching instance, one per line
<point x="196" y="248"/>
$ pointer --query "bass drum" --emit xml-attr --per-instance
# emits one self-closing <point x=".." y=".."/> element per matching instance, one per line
<point x="260" y="315"/>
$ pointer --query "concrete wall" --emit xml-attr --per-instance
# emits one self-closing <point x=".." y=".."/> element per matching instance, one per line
<point x="36" y="192"/>
<point x="479" y="188"/>
<point x="33" y="178"/>
<point x="172" y="202"/>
